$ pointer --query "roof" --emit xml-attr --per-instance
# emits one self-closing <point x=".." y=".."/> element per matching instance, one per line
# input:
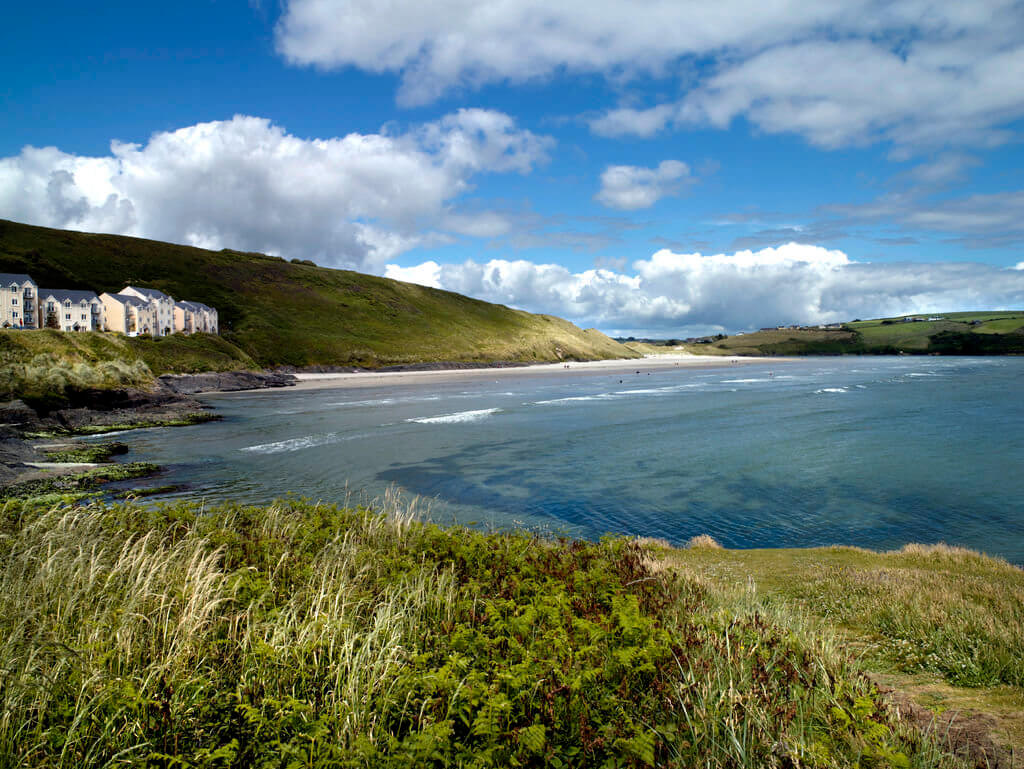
<point x="7" y="278"/>
<point x="61" y="294"/>
<point x="193" y="306"/>
<point x="149" y="293"/>
<point x="127" y="299"/>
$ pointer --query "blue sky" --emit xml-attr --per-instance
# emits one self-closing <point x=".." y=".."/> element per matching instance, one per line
<point x="650" y="168"/>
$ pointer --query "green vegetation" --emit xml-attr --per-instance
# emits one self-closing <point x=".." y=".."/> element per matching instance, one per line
<point x="74" y="486"/>
<point x="936" y="618"/>
<point x="87" y="452"/>
<point x="957" y="333"/>
<point x="281" y="312"/>
<point x="116" y="427"/>
<point x="311" y="635"/>
<point x="48" y="363"/>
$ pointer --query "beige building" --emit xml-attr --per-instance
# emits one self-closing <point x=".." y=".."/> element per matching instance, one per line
<point x="128" y="315"/>
<point x="163" y="307"/>
<point x="194" y="317"/>
<point x="70" y="310"/>
<point x="18" y="301"/>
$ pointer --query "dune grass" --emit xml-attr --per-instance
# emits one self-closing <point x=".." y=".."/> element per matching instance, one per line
<point x="46" y="362"/>
<point x="943" y="620"/>
<point x="302" y="634"/>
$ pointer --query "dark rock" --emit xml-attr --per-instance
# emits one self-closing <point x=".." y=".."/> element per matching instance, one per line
<point x="224" y="381"/>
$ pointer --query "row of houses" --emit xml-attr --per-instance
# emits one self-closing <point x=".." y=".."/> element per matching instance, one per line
<point x="132" y="311"/>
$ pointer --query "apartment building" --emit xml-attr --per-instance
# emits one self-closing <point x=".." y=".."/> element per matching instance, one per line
<point x="133" y="311"/>
<point x="18" y="301"/>
<point x="70" y="310"/>
<point x="194" y="317"/>
<point x="163" y="307"/>
<point x="127" y="314"/>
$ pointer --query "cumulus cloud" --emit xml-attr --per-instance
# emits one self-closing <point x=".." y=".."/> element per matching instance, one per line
<point x="839" y="72"/>
<point x="671" y="293"/>
<point x="631" y="187"/>
<point x="358" y="200"/>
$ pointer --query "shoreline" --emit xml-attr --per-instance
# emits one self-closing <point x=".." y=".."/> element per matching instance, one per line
<point x="353" y="380"/>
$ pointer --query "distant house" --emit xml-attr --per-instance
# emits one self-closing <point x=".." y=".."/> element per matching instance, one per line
<point x="163" y="307"/>
<point x="70" y="310"/>
<point x="127" y="314"/>
<point x="18" y="301"/>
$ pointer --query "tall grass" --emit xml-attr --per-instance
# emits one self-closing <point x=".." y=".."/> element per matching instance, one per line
<point x="309" y="635"/>
<point x="46" y="374"/>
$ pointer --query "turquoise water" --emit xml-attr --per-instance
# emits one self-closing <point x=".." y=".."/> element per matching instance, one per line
<point x="868" y="451"/>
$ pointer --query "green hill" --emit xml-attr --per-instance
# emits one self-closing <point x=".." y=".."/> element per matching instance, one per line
<point x="953" y="333"/>
<point x="283" y="312"/>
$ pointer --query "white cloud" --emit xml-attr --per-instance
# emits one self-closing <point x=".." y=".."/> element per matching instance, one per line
<point x="1019" y="266"/>
<point x="627" y="121"/>
<point x="630" y="187"/>
<point x="358" y="200"/>
<point x="670" y="292"/>
<point x="839" y="72"/>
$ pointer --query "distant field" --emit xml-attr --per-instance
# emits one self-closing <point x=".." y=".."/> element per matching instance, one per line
<point x="917" y="335"/>
<point x="995" y="333"/>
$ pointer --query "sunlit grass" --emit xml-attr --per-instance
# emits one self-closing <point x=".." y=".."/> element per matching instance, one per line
<point x="304" y="634"/>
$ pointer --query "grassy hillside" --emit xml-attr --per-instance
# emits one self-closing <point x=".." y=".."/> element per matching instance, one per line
<point x="945" y="624"/>
<point x="958" y="333"/>
<point x="281" y="312"/>
<point x="310" y="635"/>
<point x="47" y="362"/>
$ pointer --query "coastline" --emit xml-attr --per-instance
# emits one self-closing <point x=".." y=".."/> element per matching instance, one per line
<point x="317" y="381"/>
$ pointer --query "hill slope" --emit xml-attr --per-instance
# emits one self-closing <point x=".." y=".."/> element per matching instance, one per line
<point x="955" y="333"/>
<point x="292" y="313"/>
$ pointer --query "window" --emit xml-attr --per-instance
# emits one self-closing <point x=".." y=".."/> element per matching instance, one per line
<point x="67" y="316"/>
<point x="14" y="314"/>
<point x="14" y="302"/>
<point x="84" y="316"/>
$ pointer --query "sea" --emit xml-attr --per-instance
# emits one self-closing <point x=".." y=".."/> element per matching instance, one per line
<point x="869" y="451"/>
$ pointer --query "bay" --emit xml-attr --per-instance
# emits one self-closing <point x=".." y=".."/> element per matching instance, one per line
<point x="875" y="452"/>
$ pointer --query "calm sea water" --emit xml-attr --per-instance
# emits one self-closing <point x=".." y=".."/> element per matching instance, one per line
<point x="875" y="452"/>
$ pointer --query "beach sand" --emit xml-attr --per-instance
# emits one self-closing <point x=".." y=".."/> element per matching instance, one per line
<point x="629" y="366"/>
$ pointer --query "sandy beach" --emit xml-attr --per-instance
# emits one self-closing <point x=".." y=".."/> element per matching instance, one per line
<point x="627" y="366"/>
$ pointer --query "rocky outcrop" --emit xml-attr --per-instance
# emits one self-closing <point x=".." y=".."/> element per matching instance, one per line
<point x="224" y="381"/>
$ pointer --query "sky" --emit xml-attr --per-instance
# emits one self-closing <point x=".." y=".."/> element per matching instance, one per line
<point x="651" y="168"/>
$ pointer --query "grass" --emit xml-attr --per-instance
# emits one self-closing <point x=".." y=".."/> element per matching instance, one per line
<point x="932" y="618"/>
<point x="75" y="486"/>
<point x="87" y="452"/>
<point x="116" y="427"/>
<point x="284" y="313"/>
<point x="48" y="362"/>
<point x="311" y="635"/>
<point x="998" y="333"/>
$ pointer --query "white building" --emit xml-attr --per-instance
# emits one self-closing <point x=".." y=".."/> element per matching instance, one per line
<point x="163" y="307"/>
<point x="70" y="310"/>
<point x="18" y="298"/>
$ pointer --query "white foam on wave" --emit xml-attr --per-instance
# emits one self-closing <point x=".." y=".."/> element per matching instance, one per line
<point x="305" y="442"/>
<point x="456" y="418"/>
<point x="831" y="390"/>
<point x="387" y="401"/>
<point x="921" y="373"/>
<point x="294" y="444"/>
<point x="744" y="381"/>
<point x="573" y="399"/>
<point x="650" y="391"/>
